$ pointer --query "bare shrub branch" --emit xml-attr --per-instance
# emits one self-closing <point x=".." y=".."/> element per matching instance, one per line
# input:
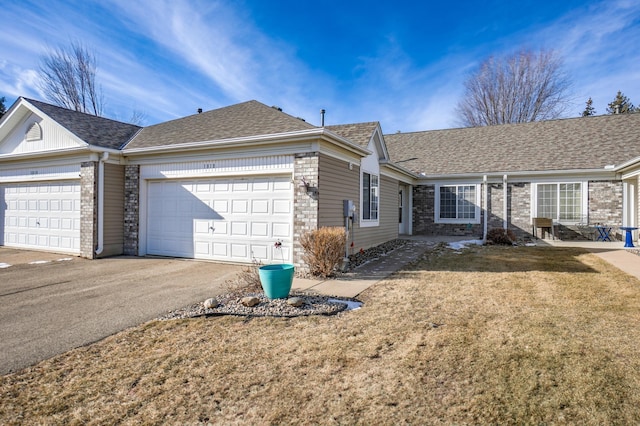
<point x="324" y="249"/>
<point x="520" y="88"/>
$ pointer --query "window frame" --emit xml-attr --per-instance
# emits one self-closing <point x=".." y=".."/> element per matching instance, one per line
<point x="584" y="201"/>
<point x="371" y="202"/>
<point x="458" y="220"/>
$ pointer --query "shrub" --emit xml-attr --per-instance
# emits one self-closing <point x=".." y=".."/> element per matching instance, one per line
<point x="501" y="236"/>
<point x="324" y="249"/>
<point x="248" y="279"/>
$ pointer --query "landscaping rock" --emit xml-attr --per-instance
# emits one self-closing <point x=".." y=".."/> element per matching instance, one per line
<point x="211" y="303"/>
<point x="295" y="301"/>
<point x="250" y="301"/>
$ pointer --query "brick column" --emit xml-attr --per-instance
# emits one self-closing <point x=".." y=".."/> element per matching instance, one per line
<point x="88" y="209"/>
<point x="305" y="214"/>
<point x="131" y="209"/>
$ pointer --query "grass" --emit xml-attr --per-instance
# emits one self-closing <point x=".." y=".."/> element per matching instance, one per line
<point x="494" y="335"/>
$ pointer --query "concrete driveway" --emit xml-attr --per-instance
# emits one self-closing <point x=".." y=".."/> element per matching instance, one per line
<point x="51" y="303"/>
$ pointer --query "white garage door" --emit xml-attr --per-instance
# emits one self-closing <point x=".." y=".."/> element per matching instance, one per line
<point x="233" y="220"/>
<point x="44" y="215"/>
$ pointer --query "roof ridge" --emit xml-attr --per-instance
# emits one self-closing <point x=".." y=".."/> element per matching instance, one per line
<point x="89" y="115"/>
<point x="528" y="123"/>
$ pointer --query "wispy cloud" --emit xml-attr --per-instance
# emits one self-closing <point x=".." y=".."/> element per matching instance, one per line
<point x="171" y="57"/>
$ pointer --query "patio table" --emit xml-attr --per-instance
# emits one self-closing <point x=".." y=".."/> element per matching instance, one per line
<point x="604" y="233"/>
<point x="628" y="241"/>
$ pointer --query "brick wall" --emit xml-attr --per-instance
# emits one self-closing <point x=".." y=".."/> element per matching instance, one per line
<point x="88" y="209"/>
<point x="605" y="202"/>
<point x="305" y="215"/>
<point x="424" y="217"/>
<point x="131" y="209"/>
<point x="605" y="206"/>
<point x="519" y="194"/>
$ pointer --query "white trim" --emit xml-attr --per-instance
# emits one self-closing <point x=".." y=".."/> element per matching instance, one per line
<point x="42" y="173"/>
<point x="368" y="223"/>
<point x="521" y="176"/>
<point x="218" y="168"/>
<point x="584" y="194"/>
<point x="436" y="213"/>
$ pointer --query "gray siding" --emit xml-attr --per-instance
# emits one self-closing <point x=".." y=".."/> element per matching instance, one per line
<point x="388" y="223"/>
<point x="338" y="183"/>
<point x="113" y="210"/>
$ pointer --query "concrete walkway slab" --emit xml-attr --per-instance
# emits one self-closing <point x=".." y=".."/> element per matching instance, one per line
<point x="351" y="284"/>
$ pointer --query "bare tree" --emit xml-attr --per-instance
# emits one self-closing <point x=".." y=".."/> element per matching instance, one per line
<point x="522" y="87"/>
<point x="68" y="79"/>
<point x="137" y="117"/>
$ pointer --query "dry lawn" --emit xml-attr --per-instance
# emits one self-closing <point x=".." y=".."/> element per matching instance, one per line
<point x="494" y="335"/>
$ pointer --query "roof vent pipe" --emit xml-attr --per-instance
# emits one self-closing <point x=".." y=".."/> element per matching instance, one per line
<point x="322" y="111"/>
<point x="199" y="110"/>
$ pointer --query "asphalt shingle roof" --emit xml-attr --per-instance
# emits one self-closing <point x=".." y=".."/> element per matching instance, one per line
<point x="250" y="118"/>
<point x="359" y="133"/>
<point x="94" y="130"/>
<point x="566" y="144"/>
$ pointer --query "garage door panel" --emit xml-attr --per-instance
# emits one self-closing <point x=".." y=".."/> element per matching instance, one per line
<point x="281" y="230"/>
<point x="239" y="206"/>
<point x="240" y="251"/>
<point x="240" y="186"/>
<point x="259" y="229"/>
<point x="260" y="206"/>
<point x="220" y="228"/>
<point x="282" y="207"/>
<point x="220" y="250"/>
<point x="239" y="229"/>
<point x="260" y="185"/>
<point x="221" y="219"/>
<point x="42" y="215"/>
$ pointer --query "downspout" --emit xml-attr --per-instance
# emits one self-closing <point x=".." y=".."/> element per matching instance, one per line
<point x="103" y="158"/>
<point x="505" y="211"/>
<point x="485" y="197"/>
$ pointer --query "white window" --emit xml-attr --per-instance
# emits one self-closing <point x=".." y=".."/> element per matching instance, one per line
<point x="562" y="202"/>
<point x="457" y="204"/>
<point x="370" y="196"/>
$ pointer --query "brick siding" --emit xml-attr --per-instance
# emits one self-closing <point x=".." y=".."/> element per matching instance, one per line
<point x="88" y="209"/>
<point x="131" y="209"/>
<point x="305" y="215"/>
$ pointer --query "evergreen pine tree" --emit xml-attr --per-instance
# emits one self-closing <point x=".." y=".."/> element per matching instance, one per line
<point x="589" y="110"/>
<point x="620" y="105"/>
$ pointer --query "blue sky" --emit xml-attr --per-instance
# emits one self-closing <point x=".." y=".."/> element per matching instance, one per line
<point x="402" y="63"/>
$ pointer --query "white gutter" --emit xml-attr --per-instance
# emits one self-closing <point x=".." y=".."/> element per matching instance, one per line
<point x="505" y="193"/>
<point x="485" y="197"/>
<point x="518" y="174"/>
<point x="103" y="158"/>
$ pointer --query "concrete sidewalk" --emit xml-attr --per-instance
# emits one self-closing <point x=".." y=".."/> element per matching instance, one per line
<point x="613" y="252"/>
<point x="364" y="276"/>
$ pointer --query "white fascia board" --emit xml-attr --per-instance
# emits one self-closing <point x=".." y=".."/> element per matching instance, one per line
<point x="249" y="141"/>
<point x="225" y="154"/>
<point x="88" y="149"/>
<point x="631" y="163"/>
<point x="399" y="169"/>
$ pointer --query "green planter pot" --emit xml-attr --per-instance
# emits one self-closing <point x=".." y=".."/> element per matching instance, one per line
<point x="276" y="280"/>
